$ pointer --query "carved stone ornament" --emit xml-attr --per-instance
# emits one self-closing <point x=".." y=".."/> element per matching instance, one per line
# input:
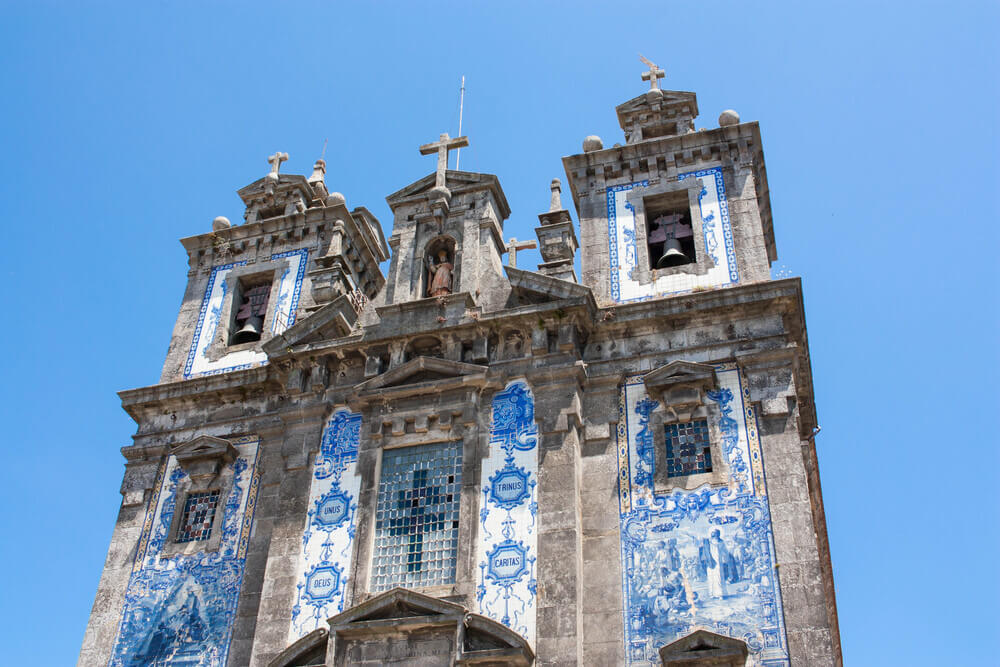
<point x="702" y="647"/>
<point x="680" y="387"/>
<point x="202" y="458"/>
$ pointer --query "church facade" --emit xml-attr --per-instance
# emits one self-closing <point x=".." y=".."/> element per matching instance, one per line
<point x="465" y="461"/>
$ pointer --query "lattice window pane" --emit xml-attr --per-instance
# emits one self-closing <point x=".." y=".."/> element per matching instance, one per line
<point x="416" y="521"/>
<point x="688" y="448"/>
<point x="198" y="515"/>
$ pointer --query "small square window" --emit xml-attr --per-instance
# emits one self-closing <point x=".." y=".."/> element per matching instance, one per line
<point x="689" y="451"/>
<point x="198" y="516"/>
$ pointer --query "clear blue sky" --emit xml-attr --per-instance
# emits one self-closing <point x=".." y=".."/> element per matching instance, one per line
<point x="127" y="126"/>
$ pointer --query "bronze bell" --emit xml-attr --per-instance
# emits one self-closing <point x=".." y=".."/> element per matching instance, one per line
<point x="672" y="255"/>
<point x="250" y="331"/>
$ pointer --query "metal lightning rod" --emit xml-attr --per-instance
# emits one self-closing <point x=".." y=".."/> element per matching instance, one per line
<point x="461" y="106"/>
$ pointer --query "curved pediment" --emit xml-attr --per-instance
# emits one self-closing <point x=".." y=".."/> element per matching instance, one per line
<point x="401" y="624"/>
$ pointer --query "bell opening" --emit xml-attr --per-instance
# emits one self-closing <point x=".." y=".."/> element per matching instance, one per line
<point x="669" y="235"/>
<point x="250" y="308"/>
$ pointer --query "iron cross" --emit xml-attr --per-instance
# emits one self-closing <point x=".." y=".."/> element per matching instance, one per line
<point x="442" y="146"/>
<point x="653" y="75"/>
<point x="513" y="246"/>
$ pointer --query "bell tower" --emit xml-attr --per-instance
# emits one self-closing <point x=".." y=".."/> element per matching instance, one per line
<point x="447" y="235"/>
<point x="674" y="210"/>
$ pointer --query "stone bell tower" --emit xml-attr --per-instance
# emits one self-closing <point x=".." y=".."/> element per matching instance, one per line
<point x="453" y="218"/>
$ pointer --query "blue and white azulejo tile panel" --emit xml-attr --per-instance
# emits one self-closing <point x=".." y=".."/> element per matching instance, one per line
<point x="287" y="301"/>
<point x="325" y="562"/>
<point x="508" y="542"/>
<point x="701" y="558"/>
<point x="179" y="610"/>
<point x="718" y="233"/>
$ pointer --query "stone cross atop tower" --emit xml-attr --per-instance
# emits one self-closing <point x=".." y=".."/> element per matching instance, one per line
<point x="442" y="147"/>
<point x="653" y="75"/>
<point x="275" y="161"/>
<point x="513" y="245"/>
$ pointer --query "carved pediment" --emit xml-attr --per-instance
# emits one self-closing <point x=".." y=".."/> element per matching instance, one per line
<point x="669" y="98"/>
<point x="456" y="181"/>
<point x="310" y="651"/>
<point x="680" y="386"/>
<point x="203" y="457"/>
<point x="421" y="371"/>
<point x="401" y="625"/>
<point x="702" y="647"/>
<point x="533" y="287"/>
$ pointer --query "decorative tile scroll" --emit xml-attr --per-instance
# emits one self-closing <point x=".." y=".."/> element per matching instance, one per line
<point x="701" y="558"/>
<point x="328" y="539"/>
<point x="216" y="292"/>
<point x="508" y="543"/>
<point x="716" y="229"/>
<point x="179" y="610"/>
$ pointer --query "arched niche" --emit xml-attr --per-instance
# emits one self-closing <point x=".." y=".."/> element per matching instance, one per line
<point x="431" y="255"/>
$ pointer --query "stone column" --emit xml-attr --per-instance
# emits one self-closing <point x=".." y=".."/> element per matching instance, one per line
<point x="264" y="613"/>
<point x="560" y="557"/>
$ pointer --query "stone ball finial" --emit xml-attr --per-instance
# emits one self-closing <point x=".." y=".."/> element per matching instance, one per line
<point x="728" y="117"/>
<point x="335" y="199"/>
<point x="592" y="143"/>
<point x="220" y="223"/>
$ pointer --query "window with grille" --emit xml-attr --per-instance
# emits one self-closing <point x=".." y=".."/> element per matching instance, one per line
<point x="416" y="519"/>
<point x="198" y="516"/>
<point x="689" y="450"/>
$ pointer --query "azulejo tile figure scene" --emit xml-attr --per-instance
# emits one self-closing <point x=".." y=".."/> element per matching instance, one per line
<point x="508" y="552"/>
<point x="701" y="558"/>
<point x="179" y="609"/>
<point x="458" y="458"/>
<point x="325" y="564"/>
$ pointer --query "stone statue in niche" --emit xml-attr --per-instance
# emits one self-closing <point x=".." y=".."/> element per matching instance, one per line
<point x="440" y="274"/>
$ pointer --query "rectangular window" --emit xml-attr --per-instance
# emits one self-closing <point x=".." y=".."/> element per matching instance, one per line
<point x="199" y="513"/>
<point x="688" y="448"/>
<point x="416" y="520"/>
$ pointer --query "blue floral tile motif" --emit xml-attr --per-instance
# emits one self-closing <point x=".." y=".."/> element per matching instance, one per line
<point x="286" y="303"/>
<point x="716" y="228"/>
<point x="508" y="543"/>
<point x="416" y="518"/>
<point x="180" y="610"/>
<point x="330" y="524"/>
<point x="701" y="557"/>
